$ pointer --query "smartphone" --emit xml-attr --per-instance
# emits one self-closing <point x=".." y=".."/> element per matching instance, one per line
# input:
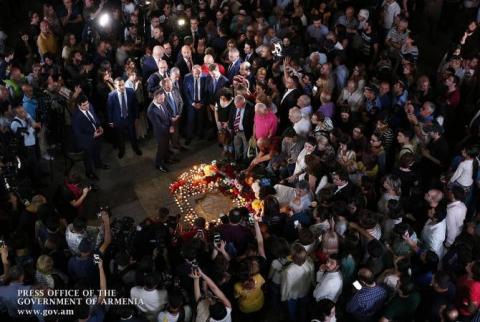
<point x="194" y="267"/>
<point x="96" y="258"/>
<point x="251" y="220"/>
<point x="217" y="239"/>
<point x="357" y="285"/>
<point x="296" y="223"/>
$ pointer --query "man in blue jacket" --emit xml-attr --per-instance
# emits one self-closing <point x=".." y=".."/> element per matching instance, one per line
<point x="87" y="132"/>
<point x="194" y="90"/>
<point x="122" y="114"/>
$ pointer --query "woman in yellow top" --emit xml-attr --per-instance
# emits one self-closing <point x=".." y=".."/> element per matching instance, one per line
<point x="249" y="294"/>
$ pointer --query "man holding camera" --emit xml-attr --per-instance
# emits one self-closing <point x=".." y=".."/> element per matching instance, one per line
<point x="24" y="127"/>
<point x="82" y="264"/>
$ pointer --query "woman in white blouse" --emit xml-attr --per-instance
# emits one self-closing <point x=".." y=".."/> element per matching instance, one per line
<point x="466" y="172"/>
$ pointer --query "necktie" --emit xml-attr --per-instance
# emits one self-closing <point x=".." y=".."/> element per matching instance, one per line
<point x="214" y="84"/>
<point x="124" y="110"/>
<point x="172" y="103"/>
<point x="91" y="119"/>
<point x="236" y="123"/>
<point x="195" y="91"/>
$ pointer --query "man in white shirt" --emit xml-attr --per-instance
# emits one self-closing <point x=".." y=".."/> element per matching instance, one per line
<point x="456" y="212"/>
<point x="305" y="104"/>
<point x="301" y="125"/>
<point x="297" y="281"/>
<point x="329" y="280"/>
<point x="149" y="299"/>
<point x="434" y="232"/>
<point x="390" y="10"/>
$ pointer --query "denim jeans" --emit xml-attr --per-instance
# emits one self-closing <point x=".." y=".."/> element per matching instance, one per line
<point x="297" y="309"/>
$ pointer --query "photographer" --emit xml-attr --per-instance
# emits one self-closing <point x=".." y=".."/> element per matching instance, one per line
<point x="24" y="127"/>
<point x="96" y="312"/>
<point x="82" y="266"/>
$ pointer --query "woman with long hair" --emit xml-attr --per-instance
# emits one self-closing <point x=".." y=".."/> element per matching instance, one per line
<point x="69" y="45"/>
<point x="392" y="189"/>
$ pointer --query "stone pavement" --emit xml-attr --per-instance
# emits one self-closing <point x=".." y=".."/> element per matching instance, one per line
<point x="133" y="187"/>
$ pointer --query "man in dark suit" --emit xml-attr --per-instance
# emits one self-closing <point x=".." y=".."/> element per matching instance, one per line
<point x="195" y="95"/>
<point x="174" y="101"/>
<point x="249" y="50"/>
<point x="149" y="63"/>
<point x="235" y="61"/>
<point x="122" y="113"/>
<point x="185" y="61"/>
<point x="344" y="188"/>
<point x="240" y="123"/>
<point x="153" y="82"/>
<point x="196" y="32"/>
<point x="161" y="121"/>
<point x="87" y="132"/>
<point x="289" y="100"/>
<point x="215" y="82"/>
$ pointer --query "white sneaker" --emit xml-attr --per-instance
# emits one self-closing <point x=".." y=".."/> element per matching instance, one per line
<point x="48" y="157"/>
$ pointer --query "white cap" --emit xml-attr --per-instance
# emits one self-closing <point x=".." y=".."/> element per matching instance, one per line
<point x="364" y="13"/>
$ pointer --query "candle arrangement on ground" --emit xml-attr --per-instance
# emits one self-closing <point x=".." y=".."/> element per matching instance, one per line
<point x="208" y="190"/>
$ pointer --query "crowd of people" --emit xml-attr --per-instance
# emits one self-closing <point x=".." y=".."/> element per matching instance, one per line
<point x="364" y="154"/>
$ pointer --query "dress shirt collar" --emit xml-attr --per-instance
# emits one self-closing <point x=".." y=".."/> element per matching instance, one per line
<point x="453" y="204"/>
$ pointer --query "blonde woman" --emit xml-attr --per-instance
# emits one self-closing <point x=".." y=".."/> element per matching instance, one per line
<point x="46" y="275"/>
<point x="392" y="190"/>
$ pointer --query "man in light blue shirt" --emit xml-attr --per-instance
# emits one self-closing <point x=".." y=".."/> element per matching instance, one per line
<point x="24" y="127"/>
<point x="29" y="103"/>
<point x="11" y="293"/>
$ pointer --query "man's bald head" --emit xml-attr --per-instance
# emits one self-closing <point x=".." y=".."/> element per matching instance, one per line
<point x="158" y="52"/>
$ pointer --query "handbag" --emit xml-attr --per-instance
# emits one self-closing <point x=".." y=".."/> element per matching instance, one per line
<point x="252" y="147"/>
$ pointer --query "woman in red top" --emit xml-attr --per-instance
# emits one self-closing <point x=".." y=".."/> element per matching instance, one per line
<point x="468" y="290"/>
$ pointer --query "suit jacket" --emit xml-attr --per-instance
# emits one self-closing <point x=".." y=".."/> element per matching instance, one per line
<point x="182" y="65"/>
<point x="251" y="58"/>
<point x="114" y="108"/>
<point x="149" y="66"/>
<point x="345" y="192"/>
<point x="285" y="105"/>
<point x="188" y="84"/>
<point x="160" y="120"/>
<point x="82" y="128"/>
<point x="247" y="121"/>
<point x="153" y="82"/>
<point x="214" y="93"/>
<point x="177" y="97"/>
<point x="200" y="33"/>
<point x="233" y="70"/>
